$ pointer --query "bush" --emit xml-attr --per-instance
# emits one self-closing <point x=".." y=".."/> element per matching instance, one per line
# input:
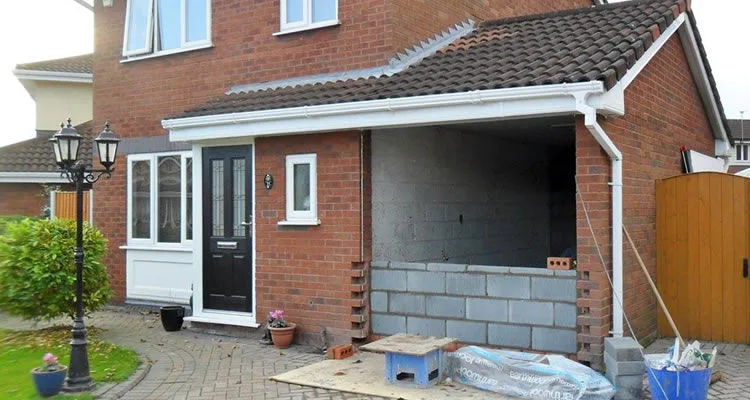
<point x="38" y="274"/>
<point x="7" y="219"/>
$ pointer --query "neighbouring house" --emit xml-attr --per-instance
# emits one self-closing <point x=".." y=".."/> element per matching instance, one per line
<point x="740" y="161"/>
<point x="307" y="156"/>
<point x="61" y="88"/>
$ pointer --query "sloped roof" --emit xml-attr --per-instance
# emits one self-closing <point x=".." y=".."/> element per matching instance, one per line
<point x="589" y="44"/>
<point x="735" y="128"/>
<point x="83" y="64"/>
<point x="35" y="155"/>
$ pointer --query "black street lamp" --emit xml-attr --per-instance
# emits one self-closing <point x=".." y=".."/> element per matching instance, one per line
<point x="66" y="144"/>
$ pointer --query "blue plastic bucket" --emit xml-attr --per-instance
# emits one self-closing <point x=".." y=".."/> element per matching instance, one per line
<point x="682" y="385"/>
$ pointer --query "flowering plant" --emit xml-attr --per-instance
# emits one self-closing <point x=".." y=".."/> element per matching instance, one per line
<point x="276" y="319"/>
<point x="51" y="364"/>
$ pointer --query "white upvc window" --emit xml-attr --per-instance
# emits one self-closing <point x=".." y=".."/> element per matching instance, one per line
<point x="160" y="205"/>
<point x="742" y="152"/>
<point x="301" y="190"/>
<point x="298" y="15"/>
<point x="160" y="27"/>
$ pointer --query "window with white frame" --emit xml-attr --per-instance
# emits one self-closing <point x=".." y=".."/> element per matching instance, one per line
<point x="166" y="26"/>
<point x="301" y="189"/>
<point x="308" y="14"/>
<point x="743" y="152"/>
<point x="160" y="196"/>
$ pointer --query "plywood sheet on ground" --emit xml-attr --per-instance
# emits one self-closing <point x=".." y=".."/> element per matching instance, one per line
<point x="364" y="373"/>
<point x="402" y="343"/>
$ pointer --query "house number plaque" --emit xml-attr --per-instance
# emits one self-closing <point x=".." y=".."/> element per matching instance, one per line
<point x="268" y="181"/>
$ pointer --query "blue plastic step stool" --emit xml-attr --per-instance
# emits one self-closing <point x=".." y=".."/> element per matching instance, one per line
<point x="411" y="359"/>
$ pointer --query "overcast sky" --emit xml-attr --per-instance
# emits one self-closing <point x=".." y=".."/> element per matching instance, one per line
<point x="46" y="29"/>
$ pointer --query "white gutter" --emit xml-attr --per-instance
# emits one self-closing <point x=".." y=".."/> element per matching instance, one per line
<point x="32" y="177"/>
<point x="34" y="75"/>
<point x="616" y="159"/>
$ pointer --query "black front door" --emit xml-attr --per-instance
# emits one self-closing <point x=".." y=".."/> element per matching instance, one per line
<point x="227" y="229"/>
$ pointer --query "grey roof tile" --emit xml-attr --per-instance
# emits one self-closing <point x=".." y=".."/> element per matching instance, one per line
<point x="83" y="64"/>
<point x="35" y="155"/>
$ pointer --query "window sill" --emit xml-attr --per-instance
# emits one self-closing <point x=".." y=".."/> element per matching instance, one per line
<point x="300" y="222"/>
<point x="157" y="248"/>
<point x="307" y="28"/>
<point x="128" y="59"/>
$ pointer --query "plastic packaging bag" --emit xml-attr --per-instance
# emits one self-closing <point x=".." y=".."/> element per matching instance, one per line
<point x="526" y="376"/>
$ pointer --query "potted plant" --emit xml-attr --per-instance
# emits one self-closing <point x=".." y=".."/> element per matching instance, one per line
<point x="282" y="331"/>
<point x="49" y="378"/>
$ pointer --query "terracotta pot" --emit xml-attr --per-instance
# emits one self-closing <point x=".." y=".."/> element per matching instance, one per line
<point x="282" y="337"/>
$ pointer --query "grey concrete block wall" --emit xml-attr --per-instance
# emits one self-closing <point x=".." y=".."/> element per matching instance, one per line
<point x="482" y="304"/>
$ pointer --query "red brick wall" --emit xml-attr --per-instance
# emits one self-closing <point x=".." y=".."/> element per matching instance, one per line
<point x="22" y="199"/>
<point x="663" y="112"/>
<point x="416" y="20"/>
<point x="306" y="270"/>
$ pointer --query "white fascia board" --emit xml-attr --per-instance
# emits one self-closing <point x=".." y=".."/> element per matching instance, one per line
<point x="652" y="51"/>
<point x="31" y="75"/>
<point x="32" y="177"/>
<point x="388" y="113"/>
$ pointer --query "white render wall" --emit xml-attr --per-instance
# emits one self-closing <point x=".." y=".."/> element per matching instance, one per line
<point x="442" y="195"/>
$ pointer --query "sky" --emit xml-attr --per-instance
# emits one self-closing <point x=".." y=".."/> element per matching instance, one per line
<point x="47" y="29"/>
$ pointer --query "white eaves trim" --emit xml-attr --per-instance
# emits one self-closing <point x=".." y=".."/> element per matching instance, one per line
<point x="32" y="177"/>
<point x="652" y="51"/>
<point x="473" y="106"/>
<point x="32" y="75"/>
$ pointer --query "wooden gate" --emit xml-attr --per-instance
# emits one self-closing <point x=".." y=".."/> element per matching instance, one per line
<point x="63" y="205"/>
<point x="703" y="245"/>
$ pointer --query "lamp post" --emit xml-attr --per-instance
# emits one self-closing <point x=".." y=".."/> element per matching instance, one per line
<point x="66" y="143"/>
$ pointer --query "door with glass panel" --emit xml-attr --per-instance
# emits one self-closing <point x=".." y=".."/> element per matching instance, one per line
<point x="227" y="228"/>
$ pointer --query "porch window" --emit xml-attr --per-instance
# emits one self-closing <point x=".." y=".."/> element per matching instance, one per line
<point x="743" y="152"/>
<point x="160" y="198"/>
<point x="166" y="26"/>
<point x="301" y="190"/>
<point x="299" y="15"/>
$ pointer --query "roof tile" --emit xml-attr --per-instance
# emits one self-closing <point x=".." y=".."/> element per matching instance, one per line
<point x="83" y="64"/>
<point x="35" y="155"/>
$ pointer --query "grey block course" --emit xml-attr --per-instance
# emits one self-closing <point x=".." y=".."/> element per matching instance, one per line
<point x="615" y="368"/>
<point x="626" y="393"/>
<point x="425" y="326"/>
<point x="379" y="301"/>
<point x="551" y="339"/>
<point x="553" y="289"/>
<point x="388" y="280"/>
<point x="507" y="286"/>
<point x="464" y="331"/>
<point x="446" y="267"/>
<point x="490" y="269"/>
<point x="443" y="306"/>
<point x="531" y="312"/>
<point x="494" y="310"/>
<point x="404" y="303"/>
<point x="571" y="273"/>
<point x="531" y="271"/>
<point x="565" y="315"/>
<point x="509" y="335"/>
<point x="425" y="282"/>
<point x="466" y="284"/>
<point x="623" y="349"/>
<point x="388" y="324"/>
<point x="629" y="381"/>
<point x="379" y="264"/>
<point x="406" y="265"/>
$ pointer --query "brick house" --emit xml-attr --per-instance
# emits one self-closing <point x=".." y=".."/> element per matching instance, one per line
<point x="308" y="156"/>
<point x="740" y="131"/>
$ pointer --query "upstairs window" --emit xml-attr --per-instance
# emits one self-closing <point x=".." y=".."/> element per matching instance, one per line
<point x="166" y="26"/>
<point x="743" y="151"/>
<point x="308" y="14"/>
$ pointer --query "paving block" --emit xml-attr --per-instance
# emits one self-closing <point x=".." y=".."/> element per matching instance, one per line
<point x="509" y="335"/>
<point x="407" y="265"/>
<point x="466" y="284"/>
<point x="621" y="368"/>
<point x="468" y="332"/>
<point x="388" y="280"/>
<point x="379" y="301"/>
<point x="553" y="289"/>
<point x="565" y="315"/>
<point x="405" y="303"/>
<point x="625" y="393"/>
<point x="632" y="382"/>
<point x="425" y="282"/>
<point x="509" y="287"/>
<point x="531" y="312"/>
<point x="446" y="267"/>
<point x="444" y="306"/>
<point x="623" y="349"/>
<point x="425" y="326"/>
<point x="556" y="340"/>
<point x="388" y="324"/>
<point x="494" y="310"/>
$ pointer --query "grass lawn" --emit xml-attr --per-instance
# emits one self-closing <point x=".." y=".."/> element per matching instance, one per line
<point x="20" y="351"/>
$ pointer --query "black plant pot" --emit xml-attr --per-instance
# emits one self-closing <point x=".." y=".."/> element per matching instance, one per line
<point x="171" y="317"/>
